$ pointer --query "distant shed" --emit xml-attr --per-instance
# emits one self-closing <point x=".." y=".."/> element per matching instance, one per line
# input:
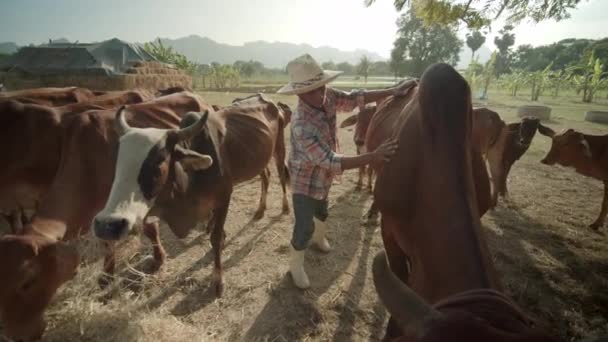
<point x="109" y="65"/>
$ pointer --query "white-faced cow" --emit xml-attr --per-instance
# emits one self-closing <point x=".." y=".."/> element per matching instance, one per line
<point x="70" y="161"/>
<point x="179" y="175"/>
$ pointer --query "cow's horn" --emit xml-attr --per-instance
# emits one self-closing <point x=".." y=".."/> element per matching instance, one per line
<point x="189" y="132"/>
<point x="410" y="311"/>
<point x="120" y="123"/>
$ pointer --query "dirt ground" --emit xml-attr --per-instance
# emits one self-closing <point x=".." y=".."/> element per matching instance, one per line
<point x="550" y="262"/>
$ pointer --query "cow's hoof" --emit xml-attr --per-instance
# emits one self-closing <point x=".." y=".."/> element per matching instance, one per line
<point x="358" y="187"/>
<point x="285" y="209"/>
<point x="105" y="280"/>
<point x="150" y="265"/>
<point x="258" y="215"/>
<point x="595" y="226"/>
<point x="219" y="288"/>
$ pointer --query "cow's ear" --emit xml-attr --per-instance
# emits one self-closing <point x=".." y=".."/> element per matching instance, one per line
<point x="544" y="130"/>
<point x="191" y="160"/>
<point x="181" y="178"/>
<point x="351" y="120"/>
<point x="586" y="147"/>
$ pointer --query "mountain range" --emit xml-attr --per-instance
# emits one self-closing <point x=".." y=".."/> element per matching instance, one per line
<point x="271" y="54"/>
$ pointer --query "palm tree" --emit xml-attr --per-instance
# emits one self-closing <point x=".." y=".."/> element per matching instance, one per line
<point x="474" y="41"/>
<point x="363" y="67"/>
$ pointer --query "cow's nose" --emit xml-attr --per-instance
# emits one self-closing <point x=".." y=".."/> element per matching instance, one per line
<point x="110" y="228"/>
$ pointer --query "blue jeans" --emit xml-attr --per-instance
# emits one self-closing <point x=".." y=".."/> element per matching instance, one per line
<point x="305" y="208"/>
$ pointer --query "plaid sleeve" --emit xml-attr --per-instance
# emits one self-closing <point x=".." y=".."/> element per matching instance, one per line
<point x="315" y="150"/>
<point x="347" y="102"/>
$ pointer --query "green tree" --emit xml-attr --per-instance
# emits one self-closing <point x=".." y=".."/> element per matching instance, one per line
<point x="346" y="68"/>
<point x="479" y="13"/>
<point x="397" y="61"/>
<point x="166" y="54"/>
<point x="419" y="46"/>
<point x="489" y="73"/>
<point x="474" y="41"/>
<point x="380" y="68"/>
<point x="562" y="54"/>
<point x="329" y="66"/>
<point x="504" y="43"/>
<point x="363" y="67"/>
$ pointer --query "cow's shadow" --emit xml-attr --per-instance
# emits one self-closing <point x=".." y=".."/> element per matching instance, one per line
<point x="293" y="314"/>
<point x="539" y="289"/>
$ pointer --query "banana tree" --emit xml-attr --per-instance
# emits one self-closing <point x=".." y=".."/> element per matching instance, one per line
<point x="488" y="75"/>
<point x="557" y="79"/>
<point x="538" y="80"/>
<point x="513" y="81"/>
<point x="589" y="78"/>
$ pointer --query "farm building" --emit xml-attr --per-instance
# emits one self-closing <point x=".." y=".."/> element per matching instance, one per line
<point x="109" y="65"/>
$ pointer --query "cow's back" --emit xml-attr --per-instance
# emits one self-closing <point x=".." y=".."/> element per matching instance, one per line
<point x="487" y="128"/>
<point x="250" y="138"/>
<point x="51" y="96"/>
<point x="31" y="137"/>
<point x="385" y="120"/>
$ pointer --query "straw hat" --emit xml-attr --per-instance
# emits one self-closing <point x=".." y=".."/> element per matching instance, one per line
<point x="306" y="75"/>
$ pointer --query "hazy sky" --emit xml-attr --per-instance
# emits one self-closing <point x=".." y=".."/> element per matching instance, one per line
<point x="345" y="24"/>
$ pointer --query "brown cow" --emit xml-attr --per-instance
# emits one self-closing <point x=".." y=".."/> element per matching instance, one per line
<point x="387" y="121"/>
<point x="587" y="154"/>
<point x="361" y="121"/>
<point x="49" y="96"/>
<point x="431" y="225"/>
<point x="489" y="136"/>
<point x="180" y="175"/>
<point x="40" y="122"/>
<point x="519" y="138"/>
<point x="77" y="176"/>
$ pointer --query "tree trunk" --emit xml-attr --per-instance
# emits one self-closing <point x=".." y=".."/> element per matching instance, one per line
<point x="586" y="88"/>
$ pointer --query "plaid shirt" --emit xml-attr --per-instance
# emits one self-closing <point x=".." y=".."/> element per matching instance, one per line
<point x="313" y="159"/>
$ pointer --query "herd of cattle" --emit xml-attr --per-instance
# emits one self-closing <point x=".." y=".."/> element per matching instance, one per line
<point x="115" y="160"/>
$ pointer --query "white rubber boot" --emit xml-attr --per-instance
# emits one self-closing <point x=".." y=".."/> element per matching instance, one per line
<point x="318" y="237"/>
<point x="296" y="268"/>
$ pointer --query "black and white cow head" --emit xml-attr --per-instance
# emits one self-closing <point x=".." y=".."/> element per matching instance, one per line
<point x="149" y="161"/>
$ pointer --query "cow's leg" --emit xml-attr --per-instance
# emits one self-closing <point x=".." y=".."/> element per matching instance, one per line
<point x="218" y="237"/>
<point x="265" y="177"/>
<point x="361" y="171"/>
<point x="151" y="231"/>
<point x="600" y="219"/>
<point x="373" y="210"/>
<point x="496" y="173"/>
<point x="370" y="174"/>
<point x="109" y="264"/>
<point x="483" y="189"/>
<point x="283" y="172"/>
<point x="503" y="191"/>
<point x="398" y="263"/>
